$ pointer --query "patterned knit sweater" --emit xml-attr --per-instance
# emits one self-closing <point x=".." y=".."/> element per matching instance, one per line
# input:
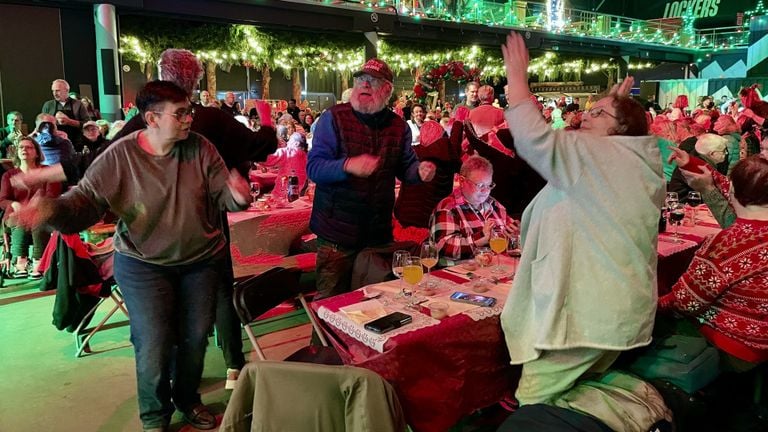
<point x="726" y="288"/>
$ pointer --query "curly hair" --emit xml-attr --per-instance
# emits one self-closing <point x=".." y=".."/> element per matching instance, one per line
<point x="180" y="67"/>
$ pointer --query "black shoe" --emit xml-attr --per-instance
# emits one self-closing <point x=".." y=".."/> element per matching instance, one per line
<point x="200" y="417"/>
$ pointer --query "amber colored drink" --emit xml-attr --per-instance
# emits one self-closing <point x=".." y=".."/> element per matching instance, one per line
<point x="413" y="274"/>
<point x="498" y="244"/>
<point x="429" y="262"/>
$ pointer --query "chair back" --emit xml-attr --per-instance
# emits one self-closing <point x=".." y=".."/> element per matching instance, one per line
<point x="302" y="397"/>
<point x="257" y="294"/>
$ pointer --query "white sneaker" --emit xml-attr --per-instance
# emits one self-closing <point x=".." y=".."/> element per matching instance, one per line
<point x="232" y="375"/>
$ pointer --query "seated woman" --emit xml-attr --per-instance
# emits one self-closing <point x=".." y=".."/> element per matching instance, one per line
<point x="726" y="286"/>
<point x="291" y="159"/>
<point x="464" y="220"/>
<point x="28" y="158"/>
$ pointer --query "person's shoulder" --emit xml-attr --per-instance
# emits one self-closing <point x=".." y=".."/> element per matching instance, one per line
<point x="447" y="203"/>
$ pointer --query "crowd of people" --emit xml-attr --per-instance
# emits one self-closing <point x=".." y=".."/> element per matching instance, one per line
<point x="582" y="186"/>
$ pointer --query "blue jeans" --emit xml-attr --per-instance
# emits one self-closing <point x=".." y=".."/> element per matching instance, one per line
<point x="171" y="313"/>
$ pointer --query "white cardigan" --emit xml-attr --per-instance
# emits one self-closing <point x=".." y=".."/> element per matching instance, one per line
<point x="587" y="277"/>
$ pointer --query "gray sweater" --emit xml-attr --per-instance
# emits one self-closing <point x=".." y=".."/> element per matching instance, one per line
<point x="169" y="206"/>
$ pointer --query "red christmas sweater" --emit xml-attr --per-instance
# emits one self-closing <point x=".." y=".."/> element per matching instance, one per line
<point x="726" y="288"/>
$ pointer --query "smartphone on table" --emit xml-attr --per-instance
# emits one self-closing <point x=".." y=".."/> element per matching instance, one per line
<point x="388" y="322"/>
<point x="474" y="299"/>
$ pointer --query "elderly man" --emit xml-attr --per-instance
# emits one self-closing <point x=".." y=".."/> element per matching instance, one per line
<point x="357" y="151"/>
<point x="11" y="132"/>
<point x="230" y="105"/>
<point x="711" y="148"/>
<point x="486" y="116"/>
<point x="463" y="221"/>
<point x="70" y="113"/>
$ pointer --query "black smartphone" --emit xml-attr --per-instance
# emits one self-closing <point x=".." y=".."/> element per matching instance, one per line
<point x="475" y="299"/>
<point x="388" y="322"/>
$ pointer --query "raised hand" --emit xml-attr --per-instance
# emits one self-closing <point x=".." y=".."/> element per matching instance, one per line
<point x="265" y="113"/>
<point x="623" y="88"/>
<point x="516" y="64"/>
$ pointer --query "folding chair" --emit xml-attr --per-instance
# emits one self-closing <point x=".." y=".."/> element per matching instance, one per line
<point x="83" y="335"/>
<point x="256" y="295"/>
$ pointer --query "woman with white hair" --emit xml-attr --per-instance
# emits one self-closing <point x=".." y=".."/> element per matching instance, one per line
<point x="711" y="148"/>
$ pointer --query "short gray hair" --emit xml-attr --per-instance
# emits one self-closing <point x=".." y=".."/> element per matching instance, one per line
<point x="486" y="94"/>
<point x="66" y="84"/>
<point x="475" y="163"/>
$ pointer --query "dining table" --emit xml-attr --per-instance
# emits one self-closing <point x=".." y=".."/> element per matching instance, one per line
<point x="262" y="237"/>
<point x="441" y="369"/>
<point x="675" y="253"/>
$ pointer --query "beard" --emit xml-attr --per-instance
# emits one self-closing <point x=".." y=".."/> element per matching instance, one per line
<point x="371" y="100"/>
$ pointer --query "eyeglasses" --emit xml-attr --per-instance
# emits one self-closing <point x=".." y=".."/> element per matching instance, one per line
<point x="180" y="115"/>
<point x="480" y="186"/>
<point x="597" y="112"/>
<point x="373" y="81"/>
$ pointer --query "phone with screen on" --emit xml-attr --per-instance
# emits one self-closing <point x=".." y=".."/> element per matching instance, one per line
<point x="474" y="299"/>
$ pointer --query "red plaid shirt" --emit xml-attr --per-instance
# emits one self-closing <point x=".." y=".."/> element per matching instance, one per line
<point x="457" y="229"/>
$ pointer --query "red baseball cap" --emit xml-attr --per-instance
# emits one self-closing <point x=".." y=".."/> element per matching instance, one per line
<point x="376" y="68"/>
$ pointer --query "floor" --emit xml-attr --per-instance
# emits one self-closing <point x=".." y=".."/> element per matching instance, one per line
<point x="45" y="388"/>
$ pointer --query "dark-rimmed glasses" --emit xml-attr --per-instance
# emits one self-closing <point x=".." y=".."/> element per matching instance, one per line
<point x="180" y="115"/>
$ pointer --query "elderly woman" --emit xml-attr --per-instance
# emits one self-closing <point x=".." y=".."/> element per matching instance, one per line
<point x="725" y="288"/>
<point x="585" y="289"/>
<point x="28" y="157"/>
<point x="168" y="186"/>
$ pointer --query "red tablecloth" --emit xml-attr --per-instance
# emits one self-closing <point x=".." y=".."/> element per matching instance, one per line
<point x="440" y="373"/>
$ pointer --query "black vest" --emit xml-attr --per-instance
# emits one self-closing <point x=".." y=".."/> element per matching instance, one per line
<point x="357" y="212"/>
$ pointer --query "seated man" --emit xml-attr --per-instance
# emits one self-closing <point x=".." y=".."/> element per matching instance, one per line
<point x="709" y="147"/>
<point x="464" y="220"/>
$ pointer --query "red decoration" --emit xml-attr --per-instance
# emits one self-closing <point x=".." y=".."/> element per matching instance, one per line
<point x="453" y="70"/>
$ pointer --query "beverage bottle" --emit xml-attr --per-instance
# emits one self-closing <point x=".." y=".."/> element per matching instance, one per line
<point x="292" y="190"/>
<point x="663" y="222"/>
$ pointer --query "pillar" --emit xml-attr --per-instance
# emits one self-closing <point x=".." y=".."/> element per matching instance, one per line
<point x="107" y="63"/>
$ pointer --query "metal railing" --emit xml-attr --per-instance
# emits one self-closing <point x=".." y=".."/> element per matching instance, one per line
<point x="575" y="22"/>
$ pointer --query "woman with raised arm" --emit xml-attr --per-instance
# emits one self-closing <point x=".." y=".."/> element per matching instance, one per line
<point x="585" y="289"/>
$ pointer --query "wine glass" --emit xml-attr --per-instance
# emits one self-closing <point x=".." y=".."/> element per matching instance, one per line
<point x="399" y="259"/>
<point x="255" y="191"/>
<point x="670" y="200"/>
<point x="694" y="199"/>
<point x="412" y="273"/>
<point x="498" y="243"/>
<point x="676" y="216"/>
<point x="429" y="257"/>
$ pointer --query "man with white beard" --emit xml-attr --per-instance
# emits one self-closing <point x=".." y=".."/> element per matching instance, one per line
<point x="358" y="149"/>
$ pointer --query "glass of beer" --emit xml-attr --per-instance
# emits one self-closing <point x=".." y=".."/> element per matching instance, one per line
<point x="412" y="274"/>
<point x="429" y="258"/>
<point x="498" y="243"/>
